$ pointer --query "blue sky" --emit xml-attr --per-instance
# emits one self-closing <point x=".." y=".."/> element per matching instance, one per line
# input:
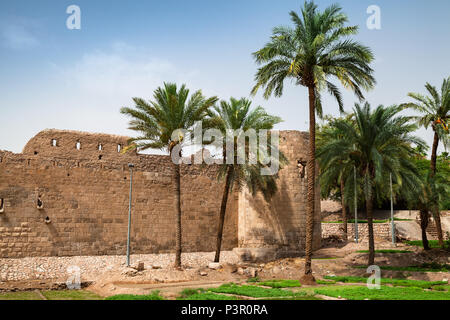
<point x="53" y="77"/>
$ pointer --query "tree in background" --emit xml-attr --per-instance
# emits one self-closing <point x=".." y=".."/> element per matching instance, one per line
<point x="315" y="50"/>
<point x="159" y="123"/>
<point x="336" y="175"/>
<point x="432" y="190"/>
<point x="378" y="144"/>
<point x="435" y="112"/>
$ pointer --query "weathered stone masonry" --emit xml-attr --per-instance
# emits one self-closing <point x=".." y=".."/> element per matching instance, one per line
<point x="82" y="181"/>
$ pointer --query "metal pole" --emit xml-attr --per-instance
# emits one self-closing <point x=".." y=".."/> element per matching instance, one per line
<point x="392" y="213"/>
<point x="131" y="166"/>
<point x="356" y="206"/>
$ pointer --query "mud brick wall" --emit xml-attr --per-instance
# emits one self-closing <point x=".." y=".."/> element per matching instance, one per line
<point x="83" y="181"/>
<point x="86" y="198"/>
<point x="281" y="223"/>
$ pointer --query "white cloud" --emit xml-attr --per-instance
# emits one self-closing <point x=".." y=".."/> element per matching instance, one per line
<point x="87" y="94"/>
<point x="122" y="72"/>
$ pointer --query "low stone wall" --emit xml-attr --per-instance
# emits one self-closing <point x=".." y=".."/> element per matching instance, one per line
<point x="381" y="230"/>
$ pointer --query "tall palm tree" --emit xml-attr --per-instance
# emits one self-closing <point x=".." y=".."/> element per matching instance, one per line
<point x="315" y="50"/>
<point x="171" y="110"/>
<point x="238" y="117"/>
<point x="435" y="112"/>
<point x="378" y="144"/>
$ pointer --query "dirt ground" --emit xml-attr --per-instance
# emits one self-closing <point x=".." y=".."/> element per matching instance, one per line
<point x="334" y="258"/>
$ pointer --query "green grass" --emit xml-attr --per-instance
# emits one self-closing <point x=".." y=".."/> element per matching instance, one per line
<point x="51" y="295"/>
<point x="426" y="267"/>
<point x="22" y="295"/>
<point x="365" y="221"/>
<point x="320" y="281"/>
<point x="394" y="282"/>
<point x="305" y="297"/>
<point x="70" y="295"/>
<point x="202" y="294"/>
<point x="441" y="288"/>
<point x="431" y="243"/>
<point x="152" y="296"/>
<point x="252" y="280"/>
<point x="385" y="251"/>
<point x="280" y="283"/>
<point x="384" y="293"/>
<point x="207" y="296"/>
<point x="254" y="291"/>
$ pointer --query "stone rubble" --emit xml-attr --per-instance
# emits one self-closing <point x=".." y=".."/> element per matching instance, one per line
<point x="58" y="268"/>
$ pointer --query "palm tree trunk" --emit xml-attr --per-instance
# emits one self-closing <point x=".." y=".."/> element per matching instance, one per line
<point x="223" y="209"/>
<point x="423" y="226"/>
<point x="434" y="153"/>
<point x="177" y="184"/>
<point x="344" y="210"/>
<point x="311" y="171"/>
<point x="435" y="210"/>
<point x="369" y="213"/>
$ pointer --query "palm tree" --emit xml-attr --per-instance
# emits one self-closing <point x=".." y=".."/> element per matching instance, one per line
<point x="435" y="112"/>
<point x="160" y="122"/>
<point x="315" y="50"/>
<point x="237" y="116"/>
<point x="432" y="190"/>
<point x="378" y="144"/>
<point x="337" y="176"/>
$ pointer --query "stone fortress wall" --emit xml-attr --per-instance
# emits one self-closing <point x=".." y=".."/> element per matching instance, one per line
<point x="82" y="182"/>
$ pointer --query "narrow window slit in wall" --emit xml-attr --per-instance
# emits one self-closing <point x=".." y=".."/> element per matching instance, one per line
<point x="100" y="147"/>
<point x="54" y="143"/>
<point x="301" y="164"/>
<point x="39" y="203"/>
<point x="2" y="205"/>
<point x="35" y="153"/>
<point x="119" y="147"/>
<point x="78" y="145"/>
<point x="100" y="157"/>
